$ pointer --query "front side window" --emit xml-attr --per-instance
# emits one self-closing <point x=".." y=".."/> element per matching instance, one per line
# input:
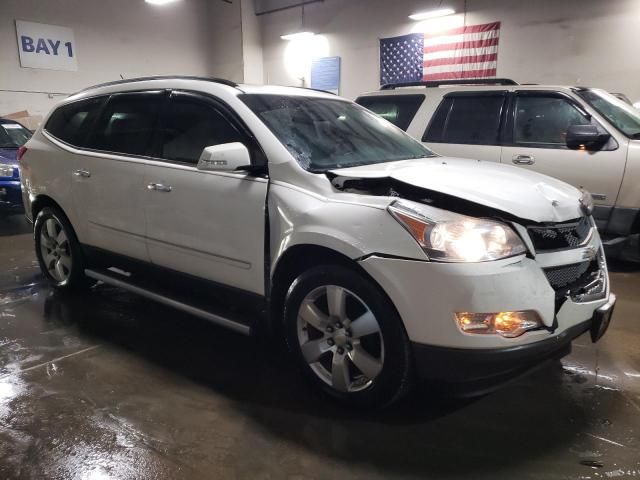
<point x="624" y="117"/>
<point x="70" y="123"/>
<point x="13" y="135"/>
<point x="189" y="125"/>
<point x="128" y="123"/>
<point x="324" y="134"/>
<point x="467" y="119"/>
<point x="544" y="120"/>
<point x="397" y="109"/>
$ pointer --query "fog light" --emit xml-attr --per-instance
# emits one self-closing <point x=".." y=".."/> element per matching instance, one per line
<point x="507" y="324"/>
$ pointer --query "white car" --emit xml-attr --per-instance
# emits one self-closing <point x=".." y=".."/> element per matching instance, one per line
<point x="378" y="261"/>
<point x="583" y="136"/>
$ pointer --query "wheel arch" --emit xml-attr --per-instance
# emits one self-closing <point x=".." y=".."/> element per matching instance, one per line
<point x="297" y="259"/>
<point x="41" y="201"/>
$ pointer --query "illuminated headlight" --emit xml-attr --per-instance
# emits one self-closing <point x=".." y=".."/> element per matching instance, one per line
<point x="507" y="324"/>
<point x="6" y="170"/>
<point x="461" y="238"/>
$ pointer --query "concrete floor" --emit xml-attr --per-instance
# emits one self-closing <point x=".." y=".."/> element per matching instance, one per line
<point x="113" y="386"/>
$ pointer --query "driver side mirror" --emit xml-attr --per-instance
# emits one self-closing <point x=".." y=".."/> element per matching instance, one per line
<point x="586" y="137"/>
<point x="224" y="158"/>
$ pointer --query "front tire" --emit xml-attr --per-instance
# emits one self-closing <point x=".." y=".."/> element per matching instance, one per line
<point x="348" y="338"/>
<point x="58" y="250"/>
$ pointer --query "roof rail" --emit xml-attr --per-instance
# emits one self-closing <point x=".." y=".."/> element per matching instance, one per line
<point x="465" y="81"/>
<point x="162" y="77"/>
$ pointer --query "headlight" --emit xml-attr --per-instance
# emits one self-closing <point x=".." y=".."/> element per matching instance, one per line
<point x="461" y="238"/>
<point x="6" y="170"/>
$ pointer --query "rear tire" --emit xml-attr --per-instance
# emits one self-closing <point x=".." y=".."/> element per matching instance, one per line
<point x="347" y="337"/>
<point x="58" y="250"/>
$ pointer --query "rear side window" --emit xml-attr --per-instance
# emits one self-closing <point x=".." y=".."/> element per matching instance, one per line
<point x="398" y="109"/>
<point x="189" y="125"/>
<point x="128" y="123"/>
<point x="71" y="123"/>
<point x="467" y="119"/>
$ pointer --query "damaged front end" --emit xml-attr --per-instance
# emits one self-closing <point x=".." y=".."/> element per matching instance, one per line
<point x="580" y="276"/>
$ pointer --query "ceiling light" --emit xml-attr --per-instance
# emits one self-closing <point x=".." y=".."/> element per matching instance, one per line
<point x="297" y="36"/>
<point x="159" y="2"/>
<point x="443" y="12"/>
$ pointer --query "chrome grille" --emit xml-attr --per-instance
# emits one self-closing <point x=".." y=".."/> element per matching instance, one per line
<point x="560" y="236"/>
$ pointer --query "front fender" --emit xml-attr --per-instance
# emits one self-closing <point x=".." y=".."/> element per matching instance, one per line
<point x="352" y="229"/>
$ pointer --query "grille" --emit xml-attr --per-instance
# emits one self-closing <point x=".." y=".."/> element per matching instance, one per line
<point x="560" y="277"/>
<point x="560" y="235"/>
<point x="583" y="282"/>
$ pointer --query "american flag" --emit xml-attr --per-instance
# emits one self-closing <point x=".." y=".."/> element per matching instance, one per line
<point x="464" y="52"/>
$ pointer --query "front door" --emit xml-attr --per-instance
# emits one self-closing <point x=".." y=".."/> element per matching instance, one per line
<point x="207" y="224"/>
<point x="538" y="129"/>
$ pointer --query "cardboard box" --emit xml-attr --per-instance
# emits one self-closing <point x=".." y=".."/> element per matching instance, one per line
<point x="30" y="121"/>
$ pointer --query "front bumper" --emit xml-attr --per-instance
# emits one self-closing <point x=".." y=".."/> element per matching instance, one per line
<point x="10" y="197"/>
<point x="428" y="294"/>
<point x="486" y="366"/>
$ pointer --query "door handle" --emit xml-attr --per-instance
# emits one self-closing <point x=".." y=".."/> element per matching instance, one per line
<point x="82" y="173"/>
<point x="523" y="160"/>
<point x="159" y="187"/>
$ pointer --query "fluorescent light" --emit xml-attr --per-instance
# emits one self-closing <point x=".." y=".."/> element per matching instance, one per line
<point x="159" y="2"/>
<point x="443" y="12"/>
<point x="297" y="36"/>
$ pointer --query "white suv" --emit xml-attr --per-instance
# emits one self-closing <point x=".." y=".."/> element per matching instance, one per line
<point x="583" y="136"/>
<point x="377" y="260"/>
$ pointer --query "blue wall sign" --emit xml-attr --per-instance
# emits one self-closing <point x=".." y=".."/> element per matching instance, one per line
<point x="325" y="74"/>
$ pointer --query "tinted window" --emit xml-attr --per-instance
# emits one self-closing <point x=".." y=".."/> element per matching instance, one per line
<point x="467" y="119"/>
<point x="398" y="109"/>
<point x="70" y="123"/>
<point x="544" y="120"/>
<point x="13" y="135"/>
<point x="190" y="125"/>
<point x="323" y="134"/>
<point x="128" y="123"/>
<point x="438" y="121"/>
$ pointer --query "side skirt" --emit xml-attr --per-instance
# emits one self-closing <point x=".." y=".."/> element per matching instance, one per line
<point x="226" y="306"/>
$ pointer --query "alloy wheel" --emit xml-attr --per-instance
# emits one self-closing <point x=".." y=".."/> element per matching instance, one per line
<point x="56" y="250"/>
<point x="340" y="338"/>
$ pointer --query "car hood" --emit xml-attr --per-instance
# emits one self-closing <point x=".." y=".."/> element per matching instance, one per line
<point x="518" y="192"/>
<point x="8" y="156"/>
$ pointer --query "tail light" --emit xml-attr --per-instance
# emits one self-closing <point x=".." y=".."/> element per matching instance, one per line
<point x="21" y="151"/>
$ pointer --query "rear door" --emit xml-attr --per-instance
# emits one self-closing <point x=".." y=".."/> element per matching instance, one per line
<point x="467" y="125"/>
<point x="535" y="139"/>
<point x="204" y="223"/>
<point x="108" y="180"/>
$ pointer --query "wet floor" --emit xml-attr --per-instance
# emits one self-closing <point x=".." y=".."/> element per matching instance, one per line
<point x="111" y="386"/>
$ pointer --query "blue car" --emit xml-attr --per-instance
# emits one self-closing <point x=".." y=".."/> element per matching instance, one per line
<point x="12" y="136"/>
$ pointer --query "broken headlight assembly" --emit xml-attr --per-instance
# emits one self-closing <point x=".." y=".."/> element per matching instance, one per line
<point x="458" y="238"/>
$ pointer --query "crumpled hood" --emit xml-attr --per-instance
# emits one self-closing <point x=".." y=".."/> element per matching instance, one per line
<point x="519" y="192"/>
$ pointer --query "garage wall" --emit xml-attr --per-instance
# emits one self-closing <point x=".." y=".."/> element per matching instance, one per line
<point x="549" y="41"/>
<point x="114" y="37"/>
